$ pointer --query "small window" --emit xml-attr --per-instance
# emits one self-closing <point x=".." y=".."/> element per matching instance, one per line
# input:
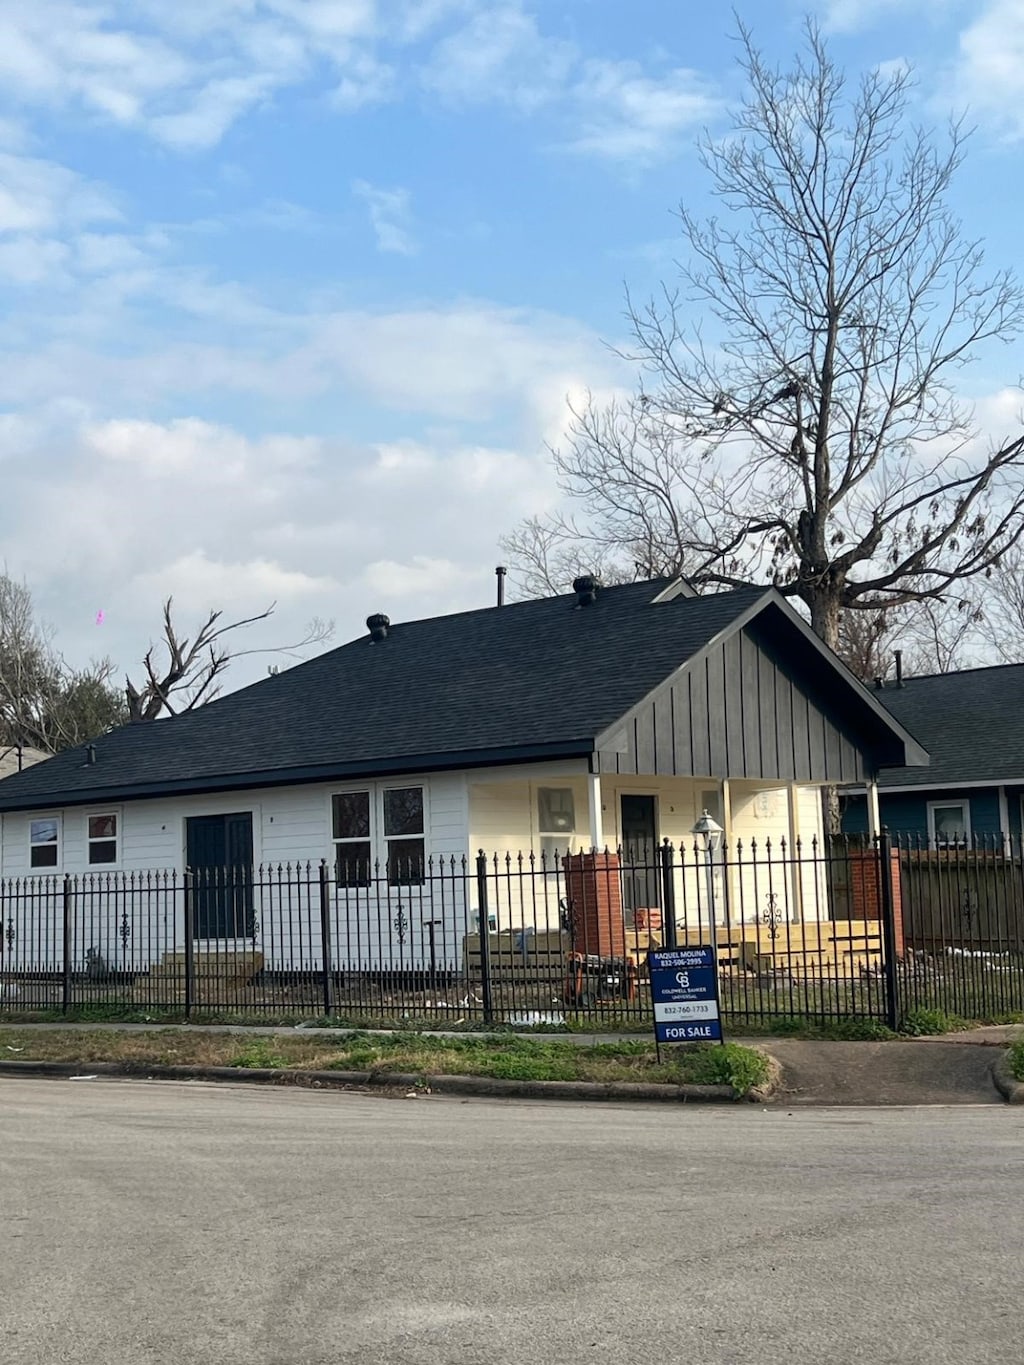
<point x="556" y="824"/>
<point x="350" y="815"/>
<point x="403" y="835"/>
<point x="949" y="823"/>
<point x="102" y="835"/>
<point x="44" y="842"/>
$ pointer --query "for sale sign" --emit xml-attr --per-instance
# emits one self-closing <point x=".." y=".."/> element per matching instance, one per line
<point x="684" y="991"/>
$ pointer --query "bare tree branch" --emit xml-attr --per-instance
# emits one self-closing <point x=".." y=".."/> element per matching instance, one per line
<point x="181" y="673"/>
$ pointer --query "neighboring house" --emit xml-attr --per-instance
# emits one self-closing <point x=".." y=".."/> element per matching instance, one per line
<point x="972" y="725"/>
<point x="604" y="717"/>
<point x="16" y="757"/>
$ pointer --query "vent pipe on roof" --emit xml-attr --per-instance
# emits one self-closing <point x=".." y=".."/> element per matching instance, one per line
<point x="585" y="587"/>
<point x="879" y="684"/>
<point x="378" y="626"/>
<point x="90" y="755"/>
<point x="898" y="656"/>
<point x="501" y="571"/>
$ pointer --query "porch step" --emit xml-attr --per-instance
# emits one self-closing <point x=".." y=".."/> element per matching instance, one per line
<point x="228" y="972"/>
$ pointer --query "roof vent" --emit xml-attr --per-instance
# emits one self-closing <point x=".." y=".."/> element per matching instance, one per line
<point x="585" y="587"/>
<point x="378" y="626"/>
<point x="90" y="755"/>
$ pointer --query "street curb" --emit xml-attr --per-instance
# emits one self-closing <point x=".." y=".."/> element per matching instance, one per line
<point x="1006" y="1082"/>
<point x="410" y="1081"/>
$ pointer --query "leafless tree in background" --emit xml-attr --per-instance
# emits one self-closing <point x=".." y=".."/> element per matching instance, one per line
<point x="45" y="703"/>
<point x="815" y="439"/>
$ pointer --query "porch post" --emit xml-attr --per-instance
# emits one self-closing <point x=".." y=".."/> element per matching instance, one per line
<point x="795" y="853"/>
<point x="1004" y="817"/>
<point x="874" y="819"/>
<point x="594" y="811"/>
<point x="726" y="813"/>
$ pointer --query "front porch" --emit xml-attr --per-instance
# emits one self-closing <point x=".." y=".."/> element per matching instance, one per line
<point x="550" y="813"/>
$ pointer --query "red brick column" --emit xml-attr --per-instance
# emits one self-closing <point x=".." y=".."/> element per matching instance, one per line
<point x="865" y="892"/>
<point x="594" y="891"/>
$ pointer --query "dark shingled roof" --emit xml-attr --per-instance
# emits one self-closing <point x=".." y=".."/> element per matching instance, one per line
<point x="529" y="680"/>
<point x="971" y="723"/>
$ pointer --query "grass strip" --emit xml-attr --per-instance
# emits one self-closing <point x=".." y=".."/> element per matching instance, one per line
<point x="508" y="1058"/>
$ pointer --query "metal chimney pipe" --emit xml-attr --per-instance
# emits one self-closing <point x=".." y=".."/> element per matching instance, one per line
<point x="501" y="571"/>
<point x="898" y="656"/>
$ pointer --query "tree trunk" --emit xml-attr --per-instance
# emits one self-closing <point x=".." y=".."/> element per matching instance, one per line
<point x="825" y="610"/>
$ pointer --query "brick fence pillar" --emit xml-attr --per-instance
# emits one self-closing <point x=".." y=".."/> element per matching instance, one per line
<point x="864" y="890"/>
<point x="594" y="891"/>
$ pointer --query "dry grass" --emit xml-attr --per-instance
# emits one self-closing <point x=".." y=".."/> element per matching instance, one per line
<point x="513" y="1058"/>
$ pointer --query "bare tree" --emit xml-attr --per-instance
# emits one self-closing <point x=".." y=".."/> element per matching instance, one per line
<point x="182" y="672"/>
<point x="937" y="635"/>
<point x="815" y="439"/>
<point x="45" y="703"/>
<point x="1002" y="626"/>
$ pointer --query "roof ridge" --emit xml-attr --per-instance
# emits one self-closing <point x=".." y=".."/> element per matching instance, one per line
<point x="949" y="673"/>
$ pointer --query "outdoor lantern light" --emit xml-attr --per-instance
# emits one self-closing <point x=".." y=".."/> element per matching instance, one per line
<point x="708" y="828"/>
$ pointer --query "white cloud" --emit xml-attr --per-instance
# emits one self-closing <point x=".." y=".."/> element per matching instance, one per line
<point x="421" y="577"/>
<point x="852" y="16"/>
<point x="390" y="217"/>
<point x="200" y="583"/>
<point x="223" y="517"/>
<point x="499" y="54"/>
<point x="629" y="116"/>
<point x="989" y="74"/>
<point x="185" y="71"/>
<point x="613" y="109"/>
<point x="37" y="195"/>
<point x="33" y="261"/>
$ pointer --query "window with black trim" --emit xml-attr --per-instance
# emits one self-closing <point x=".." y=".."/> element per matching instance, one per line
<point x="44" y="842"/>
<point x="403" y="835"/>
<point x="103" y="839"/>
<point x="352" y="834"/>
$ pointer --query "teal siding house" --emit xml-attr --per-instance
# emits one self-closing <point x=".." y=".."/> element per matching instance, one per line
<point x="972" y="725"/>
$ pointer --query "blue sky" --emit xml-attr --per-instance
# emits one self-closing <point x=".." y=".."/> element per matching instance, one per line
<point x="294" y="291"/>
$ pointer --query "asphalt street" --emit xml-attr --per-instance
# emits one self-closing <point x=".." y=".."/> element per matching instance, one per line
<point x="154" y="1222"/>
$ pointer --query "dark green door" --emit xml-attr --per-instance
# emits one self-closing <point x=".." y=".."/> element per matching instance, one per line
<point x="640" y="852"/>
<point x="218" y="852"/>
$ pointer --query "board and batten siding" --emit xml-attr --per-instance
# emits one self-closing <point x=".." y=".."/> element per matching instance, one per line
<point x="735" y="712"/>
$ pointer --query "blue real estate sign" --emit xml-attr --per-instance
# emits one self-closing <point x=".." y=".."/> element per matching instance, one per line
<point x="684" y="989"/>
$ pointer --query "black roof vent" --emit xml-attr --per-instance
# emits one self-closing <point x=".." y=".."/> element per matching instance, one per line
<point x="90" y="755"/>
<point x="585" y="587"/>
<point x="378" y="626"/>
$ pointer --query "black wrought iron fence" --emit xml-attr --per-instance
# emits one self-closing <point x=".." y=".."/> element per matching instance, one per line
<point x="833" y="929"/>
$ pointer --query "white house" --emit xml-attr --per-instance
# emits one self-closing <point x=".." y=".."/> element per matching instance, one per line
<point x="603" y="718"/>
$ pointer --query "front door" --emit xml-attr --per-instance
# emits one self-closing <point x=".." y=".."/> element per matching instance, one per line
<point x="218" y="853"/>
<point x="639" y="826"/>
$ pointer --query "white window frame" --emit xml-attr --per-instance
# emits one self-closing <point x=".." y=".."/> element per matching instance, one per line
<point x="50" y="868"/>
<point x="116" y="813"/>
<point x="564" y="841"/>
<point x="379" y="841"/>
<point x="934" y="838"/>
